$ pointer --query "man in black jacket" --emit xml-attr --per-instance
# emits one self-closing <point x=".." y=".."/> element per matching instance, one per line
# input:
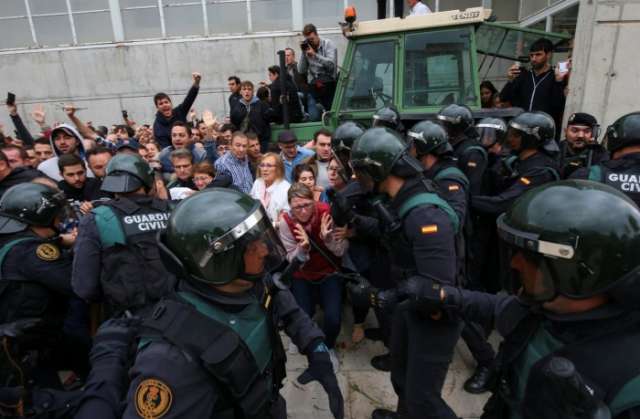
<point x="76" y="185"/>
<point x="167" y="114"/>
<point x="10" y="177"/>
<point x="537" y="89"/>
<point x="251" y="114"/>
<point x="293" y="102"/>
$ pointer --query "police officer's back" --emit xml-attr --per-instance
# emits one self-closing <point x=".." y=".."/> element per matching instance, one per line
<point x="622" y="172"/>
<point x="472" y="157"/>
<point x="116" y="255"/>
<point x="568" y="333"/>
<point x="529" y="136"/>
<point x="212" y="349"/>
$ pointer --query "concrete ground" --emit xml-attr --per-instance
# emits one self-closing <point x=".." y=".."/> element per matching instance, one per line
<point x="365" y="388"/>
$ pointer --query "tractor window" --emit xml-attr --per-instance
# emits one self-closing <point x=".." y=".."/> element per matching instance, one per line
<point x="370" y="84"/>
<point x="438" y="69"/>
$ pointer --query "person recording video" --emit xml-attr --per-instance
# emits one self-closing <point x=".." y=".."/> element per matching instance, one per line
<point x="319" y="61"/>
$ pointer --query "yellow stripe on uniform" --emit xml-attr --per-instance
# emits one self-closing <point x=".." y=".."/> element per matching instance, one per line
<point x="454" y="187"/>
<point x="430" y="229"/>
<point x="525" y="181"/>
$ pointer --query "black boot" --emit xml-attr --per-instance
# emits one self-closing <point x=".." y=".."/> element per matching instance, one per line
<point x="382" y="362"/>
<point x="384" y="414"/>
<point x="480" y="381"/>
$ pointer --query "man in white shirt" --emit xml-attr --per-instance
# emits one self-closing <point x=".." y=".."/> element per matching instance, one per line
<point x="418" y="8"/>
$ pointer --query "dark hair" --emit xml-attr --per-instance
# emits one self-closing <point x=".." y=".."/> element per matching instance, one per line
<point x="43" y="141"/>
<point x="69" y="160"/>
<point x="227" y="127"/>
<point x="130" y="132"/>
<point x="304" y="167"/>
<point x="290" y="49"/>
<point x="182" y="124"/>
<point x="309" y="28"/>
<point x="263" y="93"/>
<point x="488" y="85"/>
<point x="204" y="167"/>
<point x="234" y="78"/>
<point x="542" y="44"/>
<point x="97" y="150"/>
<point x="21" y="151"/>
<point x="102" y="130"/>
<point x="252" y="136"/>
<point x="159" y="96"/>
<point x="321" y="131"/>
<point x="274" y="69"/>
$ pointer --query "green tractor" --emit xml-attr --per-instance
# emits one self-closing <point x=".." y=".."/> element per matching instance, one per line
<point x="420" y="64"/>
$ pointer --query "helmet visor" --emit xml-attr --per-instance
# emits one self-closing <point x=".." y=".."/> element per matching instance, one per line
<point x="489" y="134"/>
<point x="252" y="247"/>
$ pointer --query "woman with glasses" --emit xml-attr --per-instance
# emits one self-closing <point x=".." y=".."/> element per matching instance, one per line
<point x="203" y="175"/>
<point x="307" y="229"/>
<point x="270" y="186"/>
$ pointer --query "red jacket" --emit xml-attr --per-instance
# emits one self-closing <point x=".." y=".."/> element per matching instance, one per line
<point x="317" y="267"/>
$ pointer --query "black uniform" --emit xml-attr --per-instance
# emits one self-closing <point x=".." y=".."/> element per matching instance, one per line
<point x="531" y="336"/>
<point x="472" y="160"/>
<point x="35" y="283"/>
<point x="116" y="255"/>
<point x="526" y="174"/>
<point x="169" y="379"/>
<point x="622" y="174"/>
<point x="571" y="160"/>
<point x="422" y="347"/>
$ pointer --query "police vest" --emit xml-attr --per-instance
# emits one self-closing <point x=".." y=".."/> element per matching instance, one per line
<point x="605" y="362"/>
<point x="626" y="181"/>
<point x="241" y="351"/>
<point x="133" y="275"/>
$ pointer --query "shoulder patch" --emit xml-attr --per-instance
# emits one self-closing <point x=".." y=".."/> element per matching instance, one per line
<point x="472" y="164"/>
<point x="429" y="229"/>
<point x="153" y="399"/>
<point x="525" y="181"/>
<point x="48" y="252"/>
<point x="453" y="188"/>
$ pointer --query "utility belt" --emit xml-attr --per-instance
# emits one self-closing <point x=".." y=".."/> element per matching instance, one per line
<point x="224" y="355"/>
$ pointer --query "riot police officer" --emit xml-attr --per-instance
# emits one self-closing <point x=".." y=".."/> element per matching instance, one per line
<point x="342" y="141"/>
<point x="222" y="245"/>
<point x="623" y="170"/>
<point x="388" y="117"/>
<point x="35" y="282"/>
<point x="429" y="142"/>
<point x="422" y="227"/>
<point x="580" y="147"/>
<point x="578" y="300"/>
<point x="530" y="165"/>
<point x="472" y="157"/>
<point x="116" y="255"/>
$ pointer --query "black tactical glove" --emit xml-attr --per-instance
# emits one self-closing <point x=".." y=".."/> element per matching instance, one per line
<point x="424" y="293"/>
<point x="113" y="339"/>
<point x="341" y="209"/>
<point x="320" y="369"/>
<point x="363" y="294"/>
<point x="387" y="300"/>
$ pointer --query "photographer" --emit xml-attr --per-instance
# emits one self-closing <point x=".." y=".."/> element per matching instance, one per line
<point x="320" y="62"/>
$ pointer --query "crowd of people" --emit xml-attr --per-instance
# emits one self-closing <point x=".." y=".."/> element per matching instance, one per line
<point x="198" y="240"/>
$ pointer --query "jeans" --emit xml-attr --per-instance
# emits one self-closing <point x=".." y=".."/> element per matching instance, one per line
<point x="327" y="293"/>
<point x="312" y="108"/>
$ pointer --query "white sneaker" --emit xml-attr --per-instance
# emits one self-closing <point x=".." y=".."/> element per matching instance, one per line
<point x="334" y="360"/>
<point x="293" y="349"/>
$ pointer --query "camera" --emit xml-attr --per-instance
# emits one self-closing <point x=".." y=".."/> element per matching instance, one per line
<point x="305" y="45"/>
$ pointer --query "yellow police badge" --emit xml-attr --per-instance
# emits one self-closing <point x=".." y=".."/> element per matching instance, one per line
<point x="153" y="399"/>
<point x="48" y="252"/>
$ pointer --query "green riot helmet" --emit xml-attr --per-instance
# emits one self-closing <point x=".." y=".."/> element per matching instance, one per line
<point x="559" y="244"/>
<point x="387" y="117"/>
<point x="218" y="235"/>
<point x="378" y="153"/>
<point x="127" y="173"/>
<point x="623" y="132"/>
<point x="535" y="130"/>
<point x="491" y="131"/>
<point x="30" y="204"/>
<point x="456" y="119"/>
<point x="345" y="135"/>
<point x="427" y="137"/>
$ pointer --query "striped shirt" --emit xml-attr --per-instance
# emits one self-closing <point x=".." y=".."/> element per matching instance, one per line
<point x="238" y="170"/>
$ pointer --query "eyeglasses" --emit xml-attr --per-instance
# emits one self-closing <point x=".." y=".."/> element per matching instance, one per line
<point x="303" y="207"/>
<point x="267" y="165"/>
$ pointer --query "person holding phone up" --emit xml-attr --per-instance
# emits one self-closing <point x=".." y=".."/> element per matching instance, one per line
<point x="540" y="88"/>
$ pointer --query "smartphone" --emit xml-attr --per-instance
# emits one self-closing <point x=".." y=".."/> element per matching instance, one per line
<point x="11" y="99"/>
<point x="563" y="66"/>
<point x="125" y="114"/>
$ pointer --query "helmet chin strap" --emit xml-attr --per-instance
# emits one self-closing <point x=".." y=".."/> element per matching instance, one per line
<point x="252" y="277"/>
